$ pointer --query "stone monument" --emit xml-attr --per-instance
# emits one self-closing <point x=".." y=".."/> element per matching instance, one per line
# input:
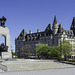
<point x="4" y="31"/>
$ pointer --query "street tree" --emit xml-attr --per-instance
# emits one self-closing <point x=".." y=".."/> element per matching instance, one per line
<point x="45" y="51"/>
<point x="54" y="51"/>
<point x="26" y="51"/>
<point x="41" y="50"/>
<point x="66" y="48"/>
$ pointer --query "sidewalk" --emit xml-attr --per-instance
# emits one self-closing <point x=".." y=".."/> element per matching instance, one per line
<point x="67" y="71"/>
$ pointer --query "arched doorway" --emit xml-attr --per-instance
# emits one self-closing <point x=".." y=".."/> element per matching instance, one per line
<point x="2" y="40"/>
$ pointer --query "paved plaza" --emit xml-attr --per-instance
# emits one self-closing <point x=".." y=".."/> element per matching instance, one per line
<point x="32" y="64"/>
<point x="37" y="67"/>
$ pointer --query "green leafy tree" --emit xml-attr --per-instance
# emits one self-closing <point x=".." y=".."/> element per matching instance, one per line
<point x="54" y="51"/>
<point x="41" y="50"/>
<point x="45" y="51"/>
<point x="66" y="48"/>
<point x="38" y="47"/>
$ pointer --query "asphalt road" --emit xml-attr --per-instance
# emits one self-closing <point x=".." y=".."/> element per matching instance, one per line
<point x="66" y="71"/>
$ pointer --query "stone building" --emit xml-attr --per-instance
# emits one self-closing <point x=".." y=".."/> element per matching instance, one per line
<point x="52" y="35"/>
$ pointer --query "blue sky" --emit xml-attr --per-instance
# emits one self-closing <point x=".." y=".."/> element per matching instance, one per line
<point x="35" y="14"/>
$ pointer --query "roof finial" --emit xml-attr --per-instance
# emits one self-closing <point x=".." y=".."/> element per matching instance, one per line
<point x="55" y="20"/>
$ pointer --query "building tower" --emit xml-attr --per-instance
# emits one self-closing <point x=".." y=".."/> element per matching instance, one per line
<point x="55" y="26"/>
<point x="73" y="25"/>
<point x="60" y="29"/>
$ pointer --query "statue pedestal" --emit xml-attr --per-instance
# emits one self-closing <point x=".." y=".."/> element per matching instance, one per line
<point x="4" y="31"/>
<point x="6" y="55"/>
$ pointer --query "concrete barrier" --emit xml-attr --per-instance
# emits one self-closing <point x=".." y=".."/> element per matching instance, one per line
<point x="3" y="67"/>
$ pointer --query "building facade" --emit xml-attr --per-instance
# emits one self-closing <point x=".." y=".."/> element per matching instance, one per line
<point x="51" y="36"/>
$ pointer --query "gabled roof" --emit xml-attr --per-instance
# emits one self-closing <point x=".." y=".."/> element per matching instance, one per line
<point x="22" y="34"/>
<point x="69" y="32"/>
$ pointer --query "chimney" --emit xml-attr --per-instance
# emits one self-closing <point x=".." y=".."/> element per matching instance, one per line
<point x="30" y="31"/>
<point x="38" y="30"/>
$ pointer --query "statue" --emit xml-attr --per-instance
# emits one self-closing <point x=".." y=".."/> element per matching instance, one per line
<point x="3" y="20"/>
<point x="3" y="48"/>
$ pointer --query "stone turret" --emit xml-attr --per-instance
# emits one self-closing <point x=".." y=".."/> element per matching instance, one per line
<point x="55" y="21"/>
<point x="55" y="26"/>
<point x="73" y="25"/>
<point x="60" y="29"/>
